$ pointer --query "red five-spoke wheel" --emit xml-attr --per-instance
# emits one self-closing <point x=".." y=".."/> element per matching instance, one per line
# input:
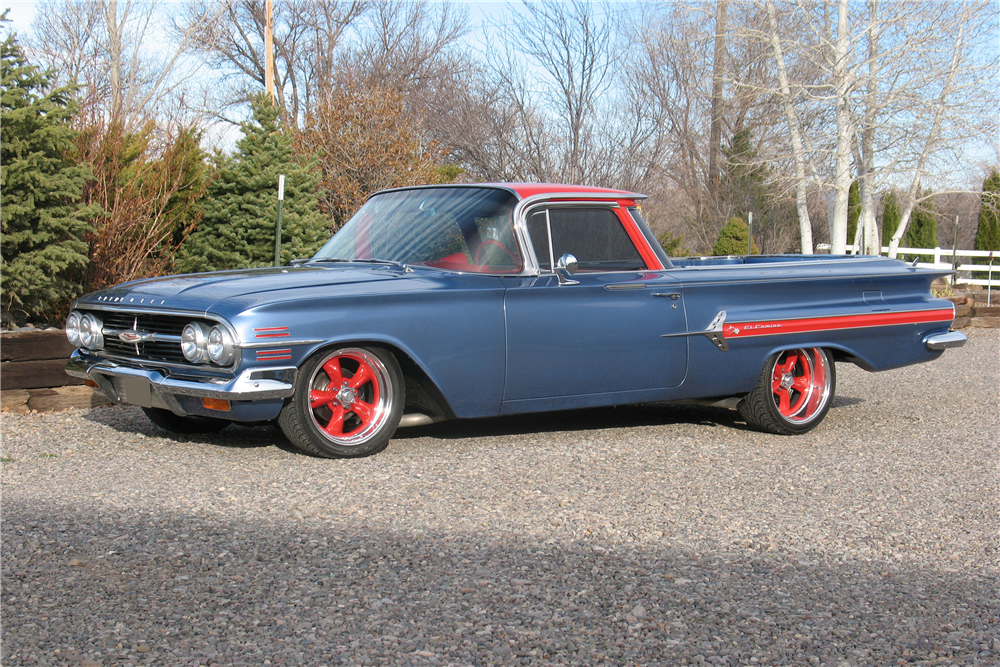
<point x="348" y="403"/>
<point x="794" y="392"/>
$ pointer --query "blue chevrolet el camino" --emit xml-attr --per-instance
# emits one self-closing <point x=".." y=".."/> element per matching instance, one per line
<point x="454" y="302"/>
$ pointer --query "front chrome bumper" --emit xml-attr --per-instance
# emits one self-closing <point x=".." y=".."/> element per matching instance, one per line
<point x="115" y="381"/>
<point x="944" y="341"/>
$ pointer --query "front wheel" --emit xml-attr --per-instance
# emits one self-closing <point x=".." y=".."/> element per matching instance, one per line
<point x="793" y="393"/>
<point x="347" y="403"/>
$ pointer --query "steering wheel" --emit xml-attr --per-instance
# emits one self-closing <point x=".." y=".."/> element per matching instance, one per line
<point x="491" y="242"/>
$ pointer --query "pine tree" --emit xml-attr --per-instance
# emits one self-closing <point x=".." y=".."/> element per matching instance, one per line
<point x="853" y="210"/>
<point x="922" y="232"/>
<point x="238" y="224"/>
<point x="733" y="239"/>
<point x="43" y="251"/>
<point x="746" y="186"/>
<point x="988" y="231"/>
<point x="672" y="245"/>
<point x="890" y="216"/>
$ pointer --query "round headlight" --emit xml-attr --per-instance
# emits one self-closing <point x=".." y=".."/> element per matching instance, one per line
<point x="73" y="328"/>
<point x="194" y="342"/>
<point x="220" y="346"/>
<point x="91" y="332"/>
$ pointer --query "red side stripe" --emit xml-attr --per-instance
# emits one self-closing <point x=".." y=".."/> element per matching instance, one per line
<point x="273" y="355"/>
<point x="807" y="325"/>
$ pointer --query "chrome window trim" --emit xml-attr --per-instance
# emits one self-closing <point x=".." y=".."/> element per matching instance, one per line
<point x="537" y="203"/>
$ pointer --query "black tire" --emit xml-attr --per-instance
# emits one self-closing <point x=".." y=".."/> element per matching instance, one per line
<point x="793" y="393"/>
<point x="184" y="425"/>
<point x="359" y="418"/>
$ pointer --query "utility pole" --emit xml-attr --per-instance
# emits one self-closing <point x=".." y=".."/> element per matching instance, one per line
<point x="269" y="49"/>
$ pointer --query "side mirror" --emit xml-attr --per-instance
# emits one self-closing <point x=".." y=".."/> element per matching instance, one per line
<point x="566" y="267"/>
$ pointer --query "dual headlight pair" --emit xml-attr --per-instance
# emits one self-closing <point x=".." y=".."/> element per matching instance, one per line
<point x="199" y="343"/>
<point x="85" y="331"/>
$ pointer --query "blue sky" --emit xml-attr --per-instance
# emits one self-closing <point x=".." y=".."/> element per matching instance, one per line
<point x="22" y="11"/>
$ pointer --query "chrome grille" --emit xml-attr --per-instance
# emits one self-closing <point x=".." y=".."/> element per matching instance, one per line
<point x="166" y="346"/>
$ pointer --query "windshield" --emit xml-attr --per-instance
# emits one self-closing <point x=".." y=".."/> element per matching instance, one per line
<point x="461" y="229"/>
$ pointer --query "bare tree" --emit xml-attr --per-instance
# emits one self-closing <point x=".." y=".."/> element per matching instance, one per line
<point x="307" y="43"/>
<point x="103" y="46"/>
<point x="406" y="46"/>
<point x="323" y="45"/>
<point x="679" y="45"/>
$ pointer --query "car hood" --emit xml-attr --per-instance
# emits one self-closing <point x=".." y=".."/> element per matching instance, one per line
<point x="198" y="291"/>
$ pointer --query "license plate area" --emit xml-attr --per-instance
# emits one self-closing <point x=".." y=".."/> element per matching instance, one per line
<point x="134" y="390"/>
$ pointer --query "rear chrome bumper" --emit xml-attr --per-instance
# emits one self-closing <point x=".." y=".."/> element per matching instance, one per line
<point x="943" y="341"/>
<point x="115" y="380"/>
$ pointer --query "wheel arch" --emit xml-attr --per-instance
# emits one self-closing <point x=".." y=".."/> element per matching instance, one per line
<point x="837" y="350"/>
<point x="420" y="389"/>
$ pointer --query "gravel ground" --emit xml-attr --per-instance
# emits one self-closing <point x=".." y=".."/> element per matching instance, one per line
<point x="653" y="535"/>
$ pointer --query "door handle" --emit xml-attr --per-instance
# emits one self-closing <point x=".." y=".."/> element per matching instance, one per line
<point x="673" y="295"/>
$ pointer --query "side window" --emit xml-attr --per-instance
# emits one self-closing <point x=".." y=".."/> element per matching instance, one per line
<point x="539" y="233"/>
<point x="595" y="236"/>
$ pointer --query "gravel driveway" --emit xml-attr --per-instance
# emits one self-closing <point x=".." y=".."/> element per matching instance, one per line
<point x="654" y="535"/>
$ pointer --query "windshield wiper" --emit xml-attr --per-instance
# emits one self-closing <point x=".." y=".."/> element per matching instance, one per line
<point x="387" y="262"/>
<point x="370" y="260"/>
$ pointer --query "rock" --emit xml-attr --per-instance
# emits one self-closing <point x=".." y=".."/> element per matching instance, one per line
<point x="638" y="612"/>
<point x="15" y="400"/>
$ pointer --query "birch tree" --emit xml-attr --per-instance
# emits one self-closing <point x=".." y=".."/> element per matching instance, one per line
<point x="908" y="86"/>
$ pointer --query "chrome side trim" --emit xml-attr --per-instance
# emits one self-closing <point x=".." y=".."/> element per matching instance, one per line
<point x="279" y="343"/>
<point x="714" y="332"/>
<point x="944" y="341"/>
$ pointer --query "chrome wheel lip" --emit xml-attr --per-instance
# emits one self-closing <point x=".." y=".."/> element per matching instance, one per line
<point x="381" y="410"/>
<point x="810" y="355"/>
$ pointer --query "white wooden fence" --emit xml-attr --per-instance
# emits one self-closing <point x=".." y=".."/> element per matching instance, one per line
<point x="943" y="258"/>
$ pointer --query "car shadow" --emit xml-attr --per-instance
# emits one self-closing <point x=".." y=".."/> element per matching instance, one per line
<point x="595" y="419"/>
<point x="130" y="419"/>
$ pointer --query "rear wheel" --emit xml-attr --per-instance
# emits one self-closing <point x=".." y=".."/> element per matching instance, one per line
<point x="793" y="393"/>
<point x="347" y="403"/>
<point x="184" y="425"/>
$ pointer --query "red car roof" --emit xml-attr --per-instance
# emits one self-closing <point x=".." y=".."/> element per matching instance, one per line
<point x="526" y="190"/>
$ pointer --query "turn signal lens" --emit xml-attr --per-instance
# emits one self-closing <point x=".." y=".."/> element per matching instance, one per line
<point x="194" y="343"/>
<point x="220" y="346"/>
<point x="73" y="328"/>
<point x="215" y="404"/>
<point x="91" y="332"/>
